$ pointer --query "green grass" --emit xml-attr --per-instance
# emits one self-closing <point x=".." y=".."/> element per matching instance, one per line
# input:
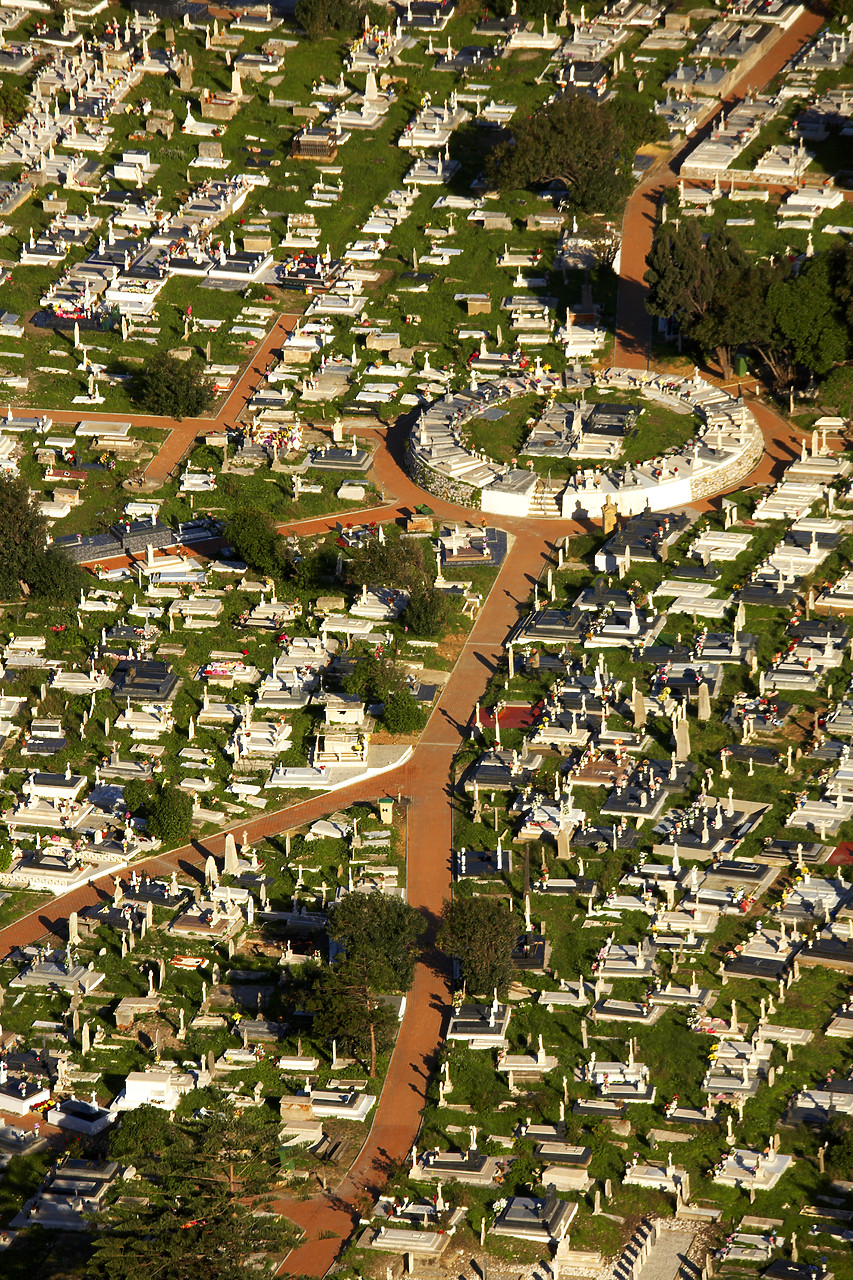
<point x="656" y="430"/>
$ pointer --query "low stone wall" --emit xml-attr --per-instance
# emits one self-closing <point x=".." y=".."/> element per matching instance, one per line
<point x="439" y="485"/>
<point x="735" y="471"/>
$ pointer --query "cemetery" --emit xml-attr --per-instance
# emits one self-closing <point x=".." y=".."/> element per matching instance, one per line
<point x="425" y="791"/>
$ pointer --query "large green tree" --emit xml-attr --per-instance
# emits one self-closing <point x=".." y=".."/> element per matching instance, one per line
<point x="173" y="388"/>
<point x="692" y="280"/>
<point x="575" y="140"/>
<point x="47" y="573"/>
<point x="841" y="265"/>
<point x="350" y="1009"/>
<point x="480" y="933"/>
<point x="378" y="925"/>
<point x="797" y="317"/>
<point x="199" y="1205"/>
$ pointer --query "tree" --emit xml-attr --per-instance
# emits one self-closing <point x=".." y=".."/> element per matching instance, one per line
<point x="253" y="536"/>
<point x="375" y="925"/>
<point x="575" y="140"/>
<point x="392" y="563"/>
<point x="14" y="104"/>
<point x="427" y="612"/>
<point x="481" y="934"/>
<point x="350" y="1009"/>
<point x="48" y="574"/>
<point x="692" y="281"/>
<point x="201" y="1205"/>
<point x="402" y="713"/>
<point x="810" y="317"/>
<point x="170" y="815"/>
<point x="526" y="9"/>
<point x="797" y="316"/>
<point x="836" y="391"/>
<point x="173" y="388"/>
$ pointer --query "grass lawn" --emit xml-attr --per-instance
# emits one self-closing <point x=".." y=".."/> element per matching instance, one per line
<point x="657" y="430"/>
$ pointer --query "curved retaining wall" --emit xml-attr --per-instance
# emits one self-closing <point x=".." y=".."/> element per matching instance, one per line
<point x="726" y="450"/>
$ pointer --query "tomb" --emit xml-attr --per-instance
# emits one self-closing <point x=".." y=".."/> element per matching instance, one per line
<point x="540" y="1221"/>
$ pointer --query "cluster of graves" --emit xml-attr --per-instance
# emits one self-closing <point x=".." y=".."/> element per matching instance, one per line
<point x="206" y="963"/>
<point x="143" y="618"/>
<point x="114" y="259"/>
<point x="719" y="912"/>
<point x="810" y="108"/>
<point x="665" y="807"/>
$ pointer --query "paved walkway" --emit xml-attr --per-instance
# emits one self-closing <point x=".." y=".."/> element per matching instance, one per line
<point x="429" y="783"/>
<point x="668" y="1254"/>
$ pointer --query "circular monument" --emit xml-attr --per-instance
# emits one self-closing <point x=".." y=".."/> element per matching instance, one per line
<point x="561" y="446"/>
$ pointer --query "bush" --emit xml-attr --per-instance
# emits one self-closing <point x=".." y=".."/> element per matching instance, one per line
<point x="402" y="713"/>
<point x="170" y="816"/>
<point x="376" y="677"/>
<point x="49" y="574"/>
<point x="253" y="536"/>
<point x="836" y="391"/>
<point x="320" y="18"/>
<point x="135" y="795"/>
<point x="173" y="388"/>
<point x="427" y="612"/>
<point x="55" y="577"/>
